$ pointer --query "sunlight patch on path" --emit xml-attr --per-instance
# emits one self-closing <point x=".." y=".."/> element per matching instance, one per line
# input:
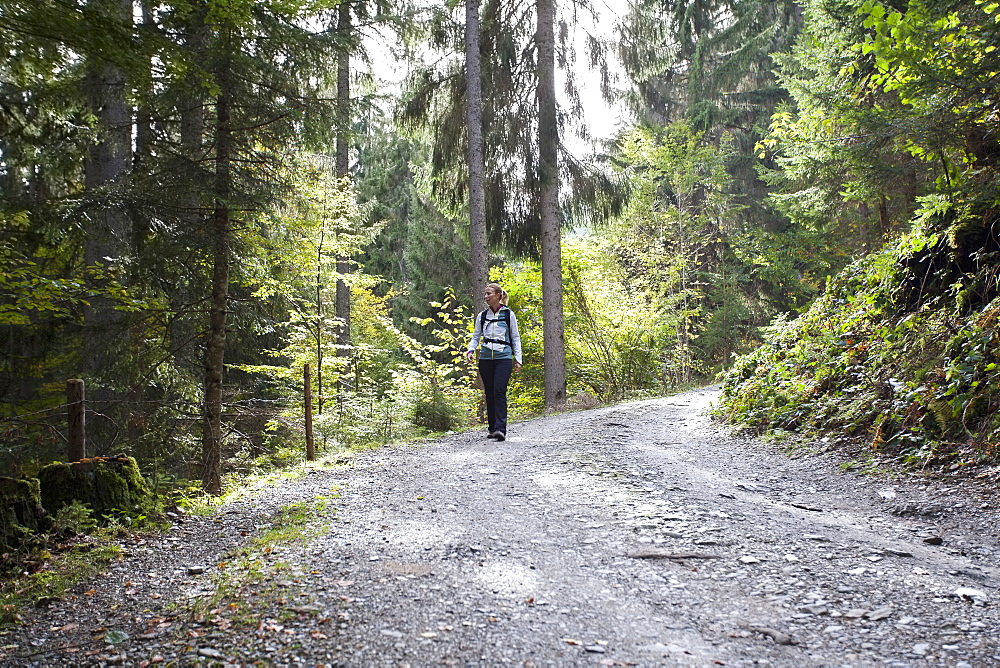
<point x="505" y="576"/>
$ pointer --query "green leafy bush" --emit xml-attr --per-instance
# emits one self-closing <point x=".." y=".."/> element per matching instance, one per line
<point x="896" y="352"/>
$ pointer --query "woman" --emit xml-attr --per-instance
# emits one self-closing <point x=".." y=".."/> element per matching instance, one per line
<point x="500" y="354"/>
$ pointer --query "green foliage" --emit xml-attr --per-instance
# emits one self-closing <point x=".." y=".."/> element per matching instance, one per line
<point x="434" y="412"/>
<point x="707" y="281"/>
<point x="901" y="349"/>
<point x="74" y="517"/>
<point x="912" y="375"/>
<point x="615" y="342"/>
<point x="444" y="391"/>
<point x="434" y="102"/>
<point x="419" y="250"/>
<point x="712" y="64"/>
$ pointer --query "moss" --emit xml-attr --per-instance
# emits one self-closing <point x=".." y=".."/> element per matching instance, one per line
<point x="21" y="511"/>
<point x="64" y="570"/>
<point x="108" y="485"/>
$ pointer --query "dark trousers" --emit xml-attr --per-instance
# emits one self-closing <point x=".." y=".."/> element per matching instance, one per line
<point x="496" y="375"/>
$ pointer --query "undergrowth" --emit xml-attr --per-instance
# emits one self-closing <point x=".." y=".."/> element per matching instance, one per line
<point x="57" y="568"/>
<point x="900" y="353"/>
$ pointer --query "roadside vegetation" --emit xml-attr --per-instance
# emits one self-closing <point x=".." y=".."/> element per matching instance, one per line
<point x="900" y="353"/>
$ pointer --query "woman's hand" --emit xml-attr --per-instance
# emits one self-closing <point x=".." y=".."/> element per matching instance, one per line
<point x="470" y="354"/>
<point x="517" y="366"/>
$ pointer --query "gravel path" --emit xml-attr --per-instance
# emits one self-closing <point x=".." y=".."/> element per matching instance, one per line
<point x="639" y="534"/>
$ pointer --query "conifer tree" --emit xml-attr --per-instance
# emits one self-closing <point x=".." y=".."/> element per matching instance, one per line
<point x="551" y="223"/>
<point x="514" y="172"/>
<point x="710" y="62"/>
<point x="345" y="32"/>
<point x="474" y="124"/>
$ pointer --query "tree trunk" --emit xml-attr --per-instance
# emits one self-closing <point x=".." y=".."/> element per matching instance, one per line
<point x="320" y="310"/>
<point x="479" y="274"/>
<point x="551" y="233"/>
<point x="183" y="327"/>
<point x="211" y="439"/>
<point x="105" y="167"/>
<point x="343" y="170"/>
<point x="883" y="217"/>
<point x="143" y="114"/>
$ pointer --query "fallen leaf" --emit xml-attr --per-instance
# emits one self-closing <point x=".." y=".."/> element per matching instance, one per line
<point x="115" y="637"/>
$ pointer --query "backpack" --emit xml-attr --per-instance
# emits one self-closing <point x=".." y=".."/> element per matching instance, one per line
<point x="505" y="316"/>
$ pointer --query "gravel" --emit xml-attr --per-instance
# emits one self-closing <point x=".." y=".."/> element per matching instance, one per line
<point x="640" y="534"/>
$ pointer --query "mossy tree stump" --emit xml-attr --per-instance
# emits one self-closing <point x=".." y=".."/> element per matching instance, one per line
<point x="109" y="485"/>
<point x="21" y="511"/>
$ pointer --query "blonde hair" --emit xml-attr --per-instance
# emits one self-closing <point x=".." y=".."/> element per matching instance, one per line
<point x="504" y="297"/>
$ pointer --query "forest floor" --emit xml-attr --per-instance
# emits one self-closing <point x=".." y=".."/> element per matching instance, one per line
<point x="640" y="534"/>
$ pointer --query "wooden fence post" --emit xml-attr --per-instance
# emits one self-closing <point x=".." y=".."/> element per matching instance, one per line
<point x="76" y="410"/>
<point x="310" y="444"/>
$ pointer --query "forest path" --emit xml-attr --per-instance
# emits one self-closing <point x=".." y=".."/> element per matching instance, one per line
<point x="639" y="534"/>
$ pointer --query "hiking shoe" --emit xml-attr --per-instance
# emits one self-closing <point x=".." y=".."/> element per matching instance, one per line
<point x="491" y="434"/>
<point x="499" y="435"/>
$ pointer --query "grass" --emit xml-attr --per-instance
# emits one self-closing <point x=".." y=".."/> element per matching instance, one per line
<point x="245" y="580"/>
<point x="62" y="569"/>
<point x="194" y="501"/>
<point x="50" y="569"/>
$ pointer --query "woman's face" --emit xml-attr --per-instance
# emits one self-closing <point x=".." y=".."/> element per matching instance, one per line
<point x="492" y="297"/>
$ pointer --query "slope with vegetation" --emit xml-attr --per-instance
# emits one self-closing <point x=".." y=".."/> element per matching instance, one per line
<point x="901" y="351"/>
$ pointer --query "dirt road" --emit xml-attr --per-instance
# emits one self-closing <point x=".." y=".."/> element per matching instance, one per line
<point x="639" y="534"/>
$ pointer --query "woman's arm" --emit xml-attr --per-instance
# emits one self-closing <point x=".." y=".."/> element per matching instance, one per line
<point x="515" y="337"/>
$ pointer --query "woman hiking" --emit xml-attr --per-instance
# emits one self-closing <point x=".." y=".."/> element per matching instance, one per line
<point x="500" y="354"/>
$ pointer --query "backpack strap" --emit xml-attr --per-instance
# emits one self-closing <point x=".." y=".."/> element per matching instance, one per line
<point x="505" y="316"/>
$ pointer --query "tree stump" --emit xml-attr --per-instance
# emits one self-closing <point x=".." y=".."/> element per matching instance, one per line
<point x="21" y="511"/>
<point x="111" y="486"/>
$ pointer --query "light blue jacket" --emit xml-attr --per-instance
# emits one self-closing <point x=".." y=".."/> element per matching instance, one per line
<point x="493" y="335"/>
